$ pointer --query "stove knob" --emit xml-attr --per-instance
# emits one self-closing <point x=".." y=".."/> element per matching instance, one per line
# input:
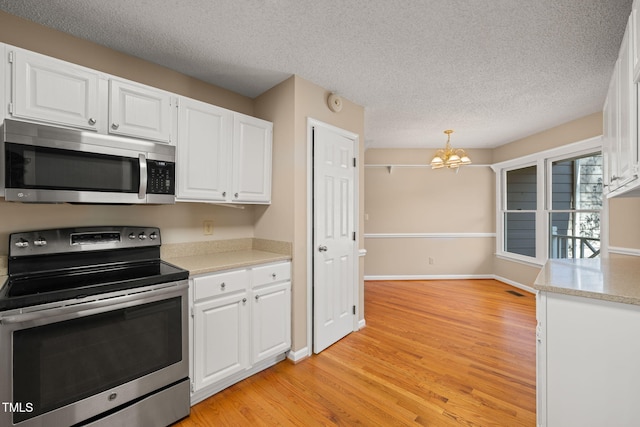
<point x="40" y="241"/>
<point x="132" y="236"/>
<point x="142" y="236"/>
<point x="153" y="236"/>
<point x="21" y="243"/>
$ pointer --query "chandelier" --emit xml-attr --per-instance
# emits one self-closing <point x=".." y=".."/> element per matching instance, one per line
<point x="449" y="157"/>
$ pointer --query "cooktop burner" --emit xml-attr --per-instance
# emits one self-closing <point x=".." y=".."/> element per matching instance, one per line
<point x="55" y="265"/>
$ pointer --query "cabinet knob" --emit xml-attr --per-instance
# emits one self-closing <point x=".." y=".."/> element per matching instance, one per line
<point x="273" y="275"/>
<point x="222" y="286"/>
<point x="244" y="300"/>
<point x="257" y="297"/>
<point x="224" y="194"/>
<point x="235" y="195"/>
<point x="92" y="121"/>
<point x="115" y="126"/>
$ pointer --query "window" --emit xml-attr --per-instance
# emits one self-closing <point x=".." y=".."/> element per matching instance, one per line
<point x="576" y="202"/>
<point x="549" y="204"/>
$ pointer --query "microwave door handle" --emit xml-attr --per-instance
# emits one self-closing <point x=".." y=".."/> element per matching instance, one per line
<point x="142" y="191"/>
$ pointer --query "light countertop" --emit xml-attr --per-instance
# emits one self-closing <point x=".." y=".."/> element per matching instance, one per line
<point x="609" y="279"/>
<point x="209" y="263"/>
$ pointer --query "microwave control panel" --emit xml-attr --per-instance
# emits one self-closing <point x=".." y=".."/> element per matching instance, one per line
<point x="161" y="177"/>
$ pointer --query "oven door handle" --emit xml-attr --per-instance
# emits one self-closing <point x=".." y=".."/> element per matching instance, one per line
<point x="95" y="306"/>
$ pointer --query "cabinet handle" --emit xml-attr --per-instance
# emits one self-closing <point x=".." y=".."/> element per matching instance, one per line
<point x="222" y="286"/>
<point x="92" y="121"/>
<point x="115" y="126"/>
<point x="235" y="195"/>
<point x="244" y="301"/>
<point x="273" y="275"/>
<point x="257" y="297"/>
<point x="224" y="194"/>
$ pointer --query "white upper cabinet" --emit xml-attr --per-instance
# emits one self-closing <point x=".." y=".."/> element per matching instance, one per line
<point x="3" y="89"/>
<point x="635" y="40"/>
<point x="252" y="144"/>
<point x="203" y="151"/>
<point x="139" y="111"/>
<point x="53" y="91"/>
<point x="223" y="156"/>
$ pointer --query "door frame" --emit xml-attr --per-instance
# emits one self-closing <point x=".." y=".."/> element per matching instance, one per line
<point x="311" y="123"/>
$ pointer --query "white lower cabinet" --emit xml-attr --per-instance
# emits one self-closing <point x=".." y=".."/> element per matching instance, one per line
<point x="588" y="355"/>
<point x="241" y="324"/>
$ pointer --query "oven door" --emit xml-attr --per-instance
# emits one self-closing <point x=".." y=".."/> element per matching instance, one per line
<point x="72" y="363"/>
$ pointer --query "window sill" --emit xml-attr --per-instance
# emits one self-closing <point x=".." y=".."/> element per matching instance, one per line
<point x="532" y="262"/>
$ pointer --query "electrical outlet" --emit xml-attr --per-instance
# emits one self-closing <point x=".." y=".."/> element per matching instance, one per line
<point x="431" y="261"/>
<point x="207" y="227"/>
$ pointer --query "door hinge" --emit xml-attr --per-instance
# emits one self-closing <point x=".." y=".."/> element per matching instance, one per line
<point x="354" y="236"/>
<point x="11" y="108"/>
<point x="354" y="162"/>
<point x="192" y="387"/>
<point x="192" y="313"/>
<point x="11" y="57"/>
<point x="354" y="310"/>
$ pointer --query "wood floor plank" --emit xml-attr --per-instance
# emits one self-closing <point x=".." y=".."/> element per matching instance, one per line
<point x="433" y="353"/>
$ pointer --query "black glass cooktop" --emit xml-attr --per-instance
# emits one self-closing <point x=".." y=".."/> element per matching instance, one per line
<point x="44" y="287"/>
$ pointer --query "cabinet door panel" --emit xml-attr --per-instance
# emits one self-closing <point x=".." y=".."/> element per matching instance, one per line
<point x="221" y="339"/>
<point x="205" y="133"/>
<point x="139" y="111"/>
<point x="54" y="91"/>
<point x="252" y="145"/>
<point x="271" y="316"/>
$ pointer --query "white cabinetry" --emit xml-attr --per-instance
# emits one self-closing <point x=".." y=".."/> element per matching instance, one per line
<point x="241" y="325"/>
<point x="271" y="311"/>
<point x="620" y="115"/>
<point x="53" y="91"/>
<point x="588" y="371"/>
<point x="203" y="149"/>
<point x="221" y="327"/>
<point x="4" y="89"/>
<point x="252" y="141"/>
<point x="223" y="156"/>
<point x="139" y="111"/>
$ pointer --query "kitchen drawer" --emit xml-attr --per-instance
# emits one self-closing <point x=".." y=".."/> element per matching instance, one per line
<point x="271" y="273"/>
<point x="219" y="284"/>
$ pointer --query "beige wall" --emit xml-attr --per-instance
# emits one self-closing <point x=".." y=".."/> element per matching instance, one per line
<point x="415" y="200"/>
<point x="289" y="105"/>
<point x="624" y="223"/>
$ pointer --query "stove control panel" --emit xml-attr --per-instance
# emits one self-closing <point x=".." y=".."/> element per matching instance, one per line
<point x="67" y="240"/>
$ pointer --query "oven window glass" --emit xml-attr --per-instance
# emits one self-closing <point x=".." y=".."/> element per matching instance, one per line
<point x="55" y="169"/>
<point x="61" y="363"/>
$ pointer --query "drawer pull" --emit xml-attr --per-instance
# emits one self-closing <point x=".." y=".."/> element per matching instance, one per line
<point x="273" y="275"/>
<point x="257" y="297"/>
<point x="222" y="286"/>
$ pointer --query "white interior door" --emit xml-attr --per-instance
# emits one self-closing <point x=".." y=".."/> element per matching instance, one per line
<point x="333" y="237"/>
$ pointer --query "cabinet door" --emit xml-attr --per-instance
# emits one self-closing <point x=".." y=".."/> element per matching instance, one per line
<point x="204" y="140"/>
<point x="271" y="317"/>
<point x="54" y="91"/>
<point x="627" y="141"/>
<point x="611" y="131"/>
<point x="221" y="338"/>
<point x="252" y="140"/>
<point x="635" y="25"/>
<point x="139" y="111"/>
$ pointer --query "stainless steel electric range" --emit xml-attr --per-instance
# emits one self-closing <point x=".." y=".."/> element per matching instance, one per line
<point x="93" y="330"/>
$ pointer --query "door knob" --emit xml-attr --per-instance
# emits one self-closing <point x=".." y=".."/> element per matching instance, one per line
<point x="322" y="248"/>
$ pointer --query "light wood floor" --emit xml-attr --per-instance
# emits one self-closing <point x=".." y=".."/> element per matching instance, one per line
<point x="433" y="353"/>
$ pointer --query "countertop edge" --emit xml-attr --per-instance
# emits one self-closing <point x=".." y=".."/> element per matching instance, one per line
<point x="211" y="263"/>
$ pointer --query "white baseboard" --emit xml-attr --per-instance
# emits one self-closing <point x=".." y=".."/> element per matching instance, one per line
<point x="455" y="277"/>
<point x="361" y="324"/>
<point x="430" y="277"/>
<point x="300" y="355"/>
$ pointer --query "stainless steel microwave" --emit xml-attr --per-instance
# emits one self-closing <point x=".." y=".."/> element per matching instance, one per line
<point x="48" y="164"/>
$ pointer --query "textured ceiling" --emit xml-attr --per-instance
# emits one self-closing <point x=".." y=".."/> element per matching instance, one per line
<point x="492" y="70"/>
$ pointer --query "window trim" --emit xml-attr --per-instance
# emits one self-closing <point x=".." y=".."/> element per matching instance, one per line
<point x="542" y="161"/>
